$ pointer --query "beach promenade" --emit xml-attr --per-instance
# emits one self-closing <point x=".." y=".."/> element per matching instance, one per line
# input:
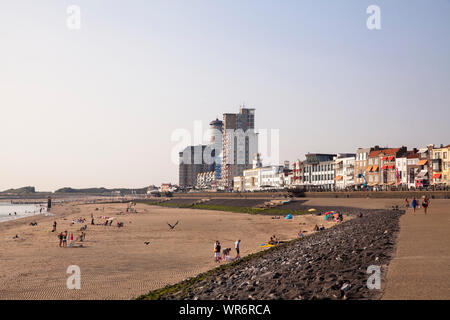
<point x="421" y="266"/>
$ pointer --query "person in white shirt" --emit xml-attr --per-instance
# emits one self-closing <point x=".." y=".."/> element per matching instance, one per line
<point x="217" y="248"/>
<point x="236" y="246"/>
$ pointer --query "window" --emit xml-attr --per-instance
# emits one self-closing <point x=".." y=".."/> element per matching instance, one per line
<point x="444" y="155"/>
<point x="437" y="155"/>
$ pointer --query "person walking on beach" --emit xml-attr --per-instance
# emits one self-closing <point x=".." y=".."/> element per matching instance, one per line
<point x="425" y="204"/>
<point x="54" y="226"/>
<point x="60" y="236"/>
<point x="414" y="204"/>
<point x="92" y="219"/>
<point x="406" y="203"/>
<point x="236" y="246"/>
<point x="217" y="248"/>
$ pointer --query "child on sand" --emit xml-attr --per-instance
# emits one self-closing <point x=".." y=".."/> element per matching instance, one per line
<point x="227" y="255"/>
<point x="71" y="240"/>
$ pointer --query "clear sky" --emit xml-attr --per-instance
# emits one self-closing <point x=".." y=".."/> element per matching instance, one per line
<point x="97" y="106"/>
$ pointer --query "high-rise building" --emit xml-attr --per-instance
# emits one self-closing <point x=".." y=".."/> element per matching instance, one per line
<point x="239" y="144"/>
<point x="195" y="160"/>
<point x="216" y="127"/>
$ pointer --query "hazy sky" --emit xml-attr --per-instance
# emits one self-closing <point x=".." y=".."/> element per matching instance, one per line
<point x="97" y="106"/>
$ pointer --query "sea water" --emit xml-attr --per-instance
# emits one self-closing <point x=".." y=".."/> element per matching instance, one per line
<point x="10" y="211"/>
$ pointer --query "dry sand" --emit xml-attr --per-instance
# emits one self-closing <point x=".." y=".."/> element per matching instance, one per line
<point x="115" y="263"/>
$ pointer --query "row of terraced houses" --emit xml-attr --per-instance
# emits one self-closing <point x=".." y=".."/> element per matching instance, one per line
<point x="372" y="168"/>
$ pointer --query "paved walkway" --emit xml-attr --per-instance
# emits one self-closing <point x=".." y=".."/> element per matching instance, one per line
<point x="421" y="267"/>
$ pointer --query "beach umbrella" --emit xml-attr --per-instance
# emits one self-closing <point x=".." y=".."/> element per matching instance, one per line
<point x="311" y="210"/>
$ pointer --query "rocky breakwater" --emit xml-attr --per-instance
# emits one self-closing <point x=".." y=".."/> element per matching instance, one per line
<point x="330" y="264"/>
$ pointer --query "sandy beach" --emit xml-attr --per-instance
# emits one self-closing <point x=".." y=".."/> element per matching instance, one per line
<point x="115" y="262"/>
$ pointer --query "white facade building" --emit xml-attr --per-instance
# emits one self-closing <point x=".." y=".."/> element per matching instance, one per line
<point x="318" y="171"/>
<point x="252" y="179"/>
<point x="238" y="184"/>
<point x="401" y="165"/>
<point x="344" y="172"/>
<point x="270" y="177"/>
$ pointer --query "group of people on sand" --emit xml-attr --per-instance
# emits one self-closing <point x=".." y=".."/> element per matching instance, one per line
<point x="273" y="240"/>
<point x="65" y="237"/>
<point x="225" y="255"/>
<point x="109" y="222"/>
<point x="79" y="220"/>
<point x="415" y="204"/>
<point x="317" y="228"/>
